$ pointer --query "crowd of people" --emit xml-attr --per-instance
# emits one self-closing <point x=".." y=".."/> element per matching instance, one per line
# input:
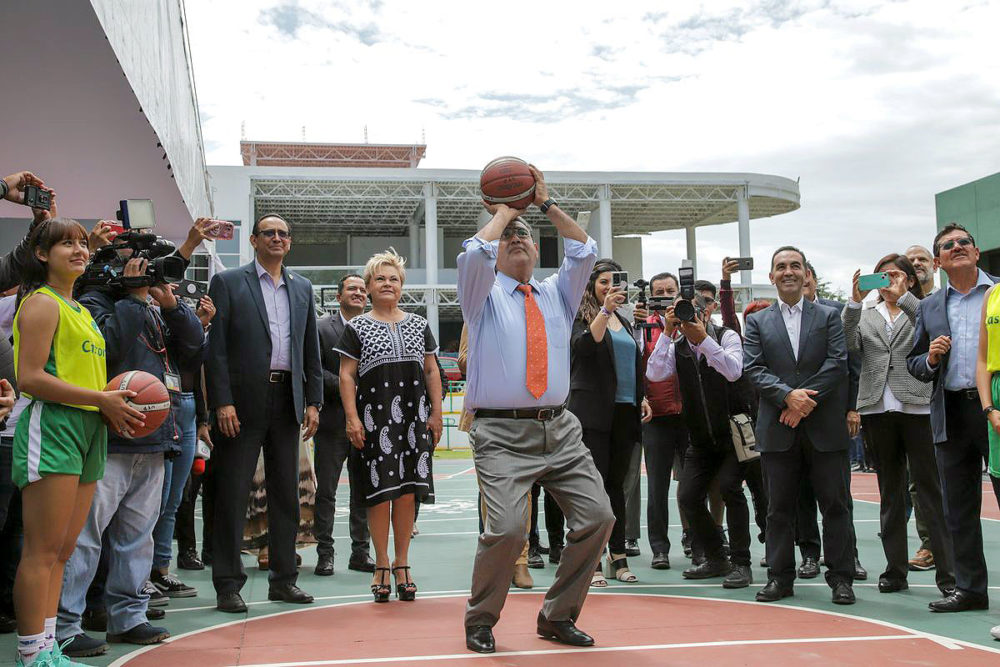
<point x="569" y="387"/>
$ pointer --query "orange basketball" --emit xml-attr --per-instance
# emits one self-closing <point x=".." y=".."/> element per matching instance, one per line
<point x="507" y="180"/>
<point x="151" y="399"/>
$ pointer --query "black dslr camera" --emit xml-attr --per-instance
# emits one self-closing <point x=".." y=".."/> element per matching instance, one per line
<point x="107" y="264"/>
<point x="684" y="307"/>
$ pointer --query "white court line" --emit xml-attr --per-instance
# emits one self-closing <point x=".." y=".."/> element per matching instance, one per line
<point x="943" y="641"/>
<point x="597" y="649"/>
<point x="467" y="470"/>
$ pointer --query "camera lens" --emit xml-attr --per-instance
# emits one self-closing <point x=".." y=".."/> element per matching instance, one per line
<point x="684" y="310"/>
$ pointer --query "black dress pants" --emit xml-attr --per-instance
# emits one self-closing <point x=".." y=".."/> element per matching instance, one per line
<point x="807" y="535"/>
<point x="960" y="462"/>
<point x="184" y="531"/>
<point x="702" y="465"/>
<point x="896" y="439"/>
<point x="612" y="452"/>
<point x="11" y="530"/>
<point x="332" y="449"/>
<point x="828" y="473"/>
<point x="661" y="438"/>
<point x="277" y="431"/>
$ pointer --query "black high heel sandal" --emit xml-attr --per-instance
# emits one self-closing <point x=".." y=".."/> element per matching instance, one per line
<point x="406" y="591"/>
<point x="381" y="590"/>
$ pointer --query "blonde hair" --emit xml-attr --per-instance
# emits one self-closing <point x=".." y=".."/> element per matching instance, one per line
<point x="386" y="258"/>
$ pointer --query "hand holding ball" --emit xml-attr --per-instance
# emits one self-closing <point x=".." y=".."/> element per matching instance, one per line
<point x="508" y="180"/>
<point x="151" y="403"/>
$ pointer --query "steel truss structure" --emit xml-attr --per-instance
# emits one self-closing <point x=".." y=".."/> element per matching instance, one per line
<point x="278" y="154"/>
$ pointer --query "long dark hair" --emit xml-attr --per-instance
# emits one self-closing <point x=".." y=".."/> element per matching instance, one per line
<point x="589" y="305"/>
<point x="902" y="263"/>
<point x="43" y="236"/>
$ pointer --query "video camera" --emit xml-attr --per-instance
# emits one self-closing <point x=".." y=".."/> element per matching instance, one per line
<point x="107" y="264"/>
<point x="684" y="307"/>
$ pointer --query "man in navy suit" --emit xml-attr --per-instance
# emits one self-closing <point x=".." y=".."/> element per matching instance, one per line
<point x="796" y="356"/>
<point x="265" y="383"/>
<point x="945" y="347"/>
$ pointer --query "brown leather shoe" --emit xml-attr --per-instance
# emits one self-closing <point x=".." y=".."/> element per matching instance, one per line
<point x="522" y="578"/>
<point x="922" y="560"/>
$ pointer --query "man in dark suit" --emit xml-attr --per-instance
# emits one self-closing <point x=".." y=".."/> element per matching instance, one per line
<point x="945" y="348"/>
<point x="807" y="535"/>
<point x="264" y="382"/>
<point x="796" y="356"/>
<point x="331" y="443"/>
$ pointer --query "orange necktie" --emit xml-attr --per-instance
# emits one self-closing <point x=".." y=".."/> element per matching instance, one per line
<point x="537" y="375"/>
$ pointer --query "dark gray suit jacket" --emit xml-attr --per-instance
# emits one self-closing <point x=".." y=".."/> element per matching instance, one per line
<point x="331" y="328"/>
<point x="770" y="365"/>
<point x="932" y="321"/>
<point x="239" y="344"/>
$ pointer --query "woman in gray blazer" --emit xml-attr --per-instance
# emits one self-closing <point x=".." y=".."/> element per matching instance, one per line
<point x="895" y="418"/>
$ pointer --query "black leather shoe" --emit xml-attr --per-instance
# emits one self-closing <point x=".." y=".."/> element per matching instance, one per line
<point x="708" y="569"/>
<point x="479" y="638"/>
<point x="206" y="557"/>
<point x="555" y="553"/>
<point x="960" y="601"/>
<point x="686" y="544"/>
<point x="363" y="563"/>
<point x="564" y="632"/>
<point x="535" y="561"/>
<point x="155" y="614"/>
<point x="289" y="593"/>
<point x="324" y="566"/>
<point x="809" y="568"/>
<point x="231" y="603"/>
<point x="542" y="549"/>
<point x="188" y="560"/>
<point x="8" y="624"/>
<point x="96" y="619"/>
<point x="632" y="548"/>
<point x="660" y="562"/>
<point x="740" y="577"/>
<point x="842" y="593"/>
<point x="773" y="592"/>
<point x="892" y="585"/>
<point x="860" y="573"/>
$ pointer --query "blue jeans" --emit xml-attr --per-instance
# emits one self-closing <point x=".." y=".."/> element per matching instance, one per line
<point x="126" y="509"/>
<point x="175" y="475"/>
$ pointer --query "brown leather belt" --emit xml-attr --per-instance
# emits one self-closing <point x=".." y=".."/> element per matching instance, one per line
<point x="539" y="414"/>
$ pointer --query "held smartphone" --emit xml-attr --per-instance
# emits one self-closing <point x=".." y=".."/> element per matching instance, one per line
<point x="619" y="279"/>
<point x="36" y="197"/>
<point x="743" y="263"/>
<point x="191" y="289"/>
<point x="221" y="230"/>
<point x="872" y="281"/>
<point x="136" y="213"/>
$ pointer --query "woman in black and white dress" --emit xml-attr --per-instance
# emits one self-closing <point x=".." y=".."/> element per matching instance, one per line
<point x="391" y="391"/>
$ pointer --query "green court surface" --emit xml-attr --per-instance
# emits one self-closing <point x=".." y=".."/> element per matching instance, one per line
<point x="442" y="555"/>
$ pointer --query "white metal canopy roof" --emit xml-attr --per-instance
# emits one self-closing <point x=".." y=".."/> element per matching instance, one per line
<point x="329" y="202"/>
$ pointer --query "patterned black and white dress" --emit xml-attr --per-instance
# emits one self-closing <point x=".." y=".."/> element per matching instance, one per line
<point x="394" y="405"/>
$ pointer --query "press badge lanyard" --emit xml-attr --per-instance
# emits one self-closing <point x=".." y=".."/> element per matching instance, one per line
<point x="170" y="379"/>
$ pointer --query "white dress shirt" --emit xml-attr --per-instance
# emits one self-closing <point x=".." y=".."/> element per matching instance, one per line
<point x="792" y="315"/>
<point x="726" y="358"/>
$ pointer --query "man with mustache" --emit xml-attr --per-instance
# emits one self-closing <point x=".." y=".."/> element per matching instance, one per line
<point x="518" y="383"/>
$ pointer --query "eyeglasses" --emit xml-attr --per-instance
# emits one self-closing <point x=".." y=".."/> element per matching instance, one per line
<point x="964" y="242"/>
<point x="510" y="232"/>
<point x="271" y="233"/>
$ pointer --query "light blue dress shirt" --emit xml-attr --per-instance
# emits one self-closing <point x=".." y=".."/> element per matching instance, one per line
<point x="493" y="309"/>
<point x="964" y="319"/>
<point x="279" y="322"/>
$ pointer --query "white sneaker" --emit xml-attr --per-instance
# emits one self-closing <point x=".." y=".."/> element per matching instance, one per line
<point x="995" y="632"/>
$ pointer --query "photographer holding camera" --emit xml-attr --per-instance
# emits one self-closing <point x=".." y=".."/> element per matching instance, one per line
<point x="707" y="361"/>
<point x="158" y="340"/>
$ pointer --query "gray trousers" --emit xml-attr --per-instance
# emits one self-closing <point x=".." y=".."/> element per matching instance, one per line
<point x="633" y="499"/>
<point x="511" y="455"/>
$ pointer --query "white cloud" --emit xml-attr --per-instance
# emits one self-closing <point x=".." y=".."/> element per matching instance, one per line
<point x="876" y="106"/>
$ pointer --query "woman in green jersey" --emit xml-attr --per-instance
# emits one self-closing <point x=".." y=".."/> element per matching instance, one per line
<point x="60" y="444"/>
<point x="988" y="373"/>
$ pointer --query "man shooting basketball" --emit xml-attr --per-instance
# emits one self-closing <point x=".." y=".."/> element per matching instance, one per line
<point x="518" y="382"/>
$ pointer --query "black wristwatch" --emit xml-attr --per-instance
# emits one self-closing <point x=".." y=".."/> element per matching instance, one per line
<point x="988" y="409"/>
<point x="318" y="406"/>
<point x="547" y="204"/>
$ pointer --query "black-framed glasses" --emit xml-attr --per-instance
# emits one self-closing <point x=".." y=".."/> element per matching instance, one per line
<point x="964" y="242"/>
<point x="271" y="233"/>
<point x="511" y="232"/>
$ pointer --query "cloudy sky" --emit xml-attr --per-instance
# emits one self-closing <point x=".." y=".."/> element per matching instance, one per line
<point x="876" y="106"/>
